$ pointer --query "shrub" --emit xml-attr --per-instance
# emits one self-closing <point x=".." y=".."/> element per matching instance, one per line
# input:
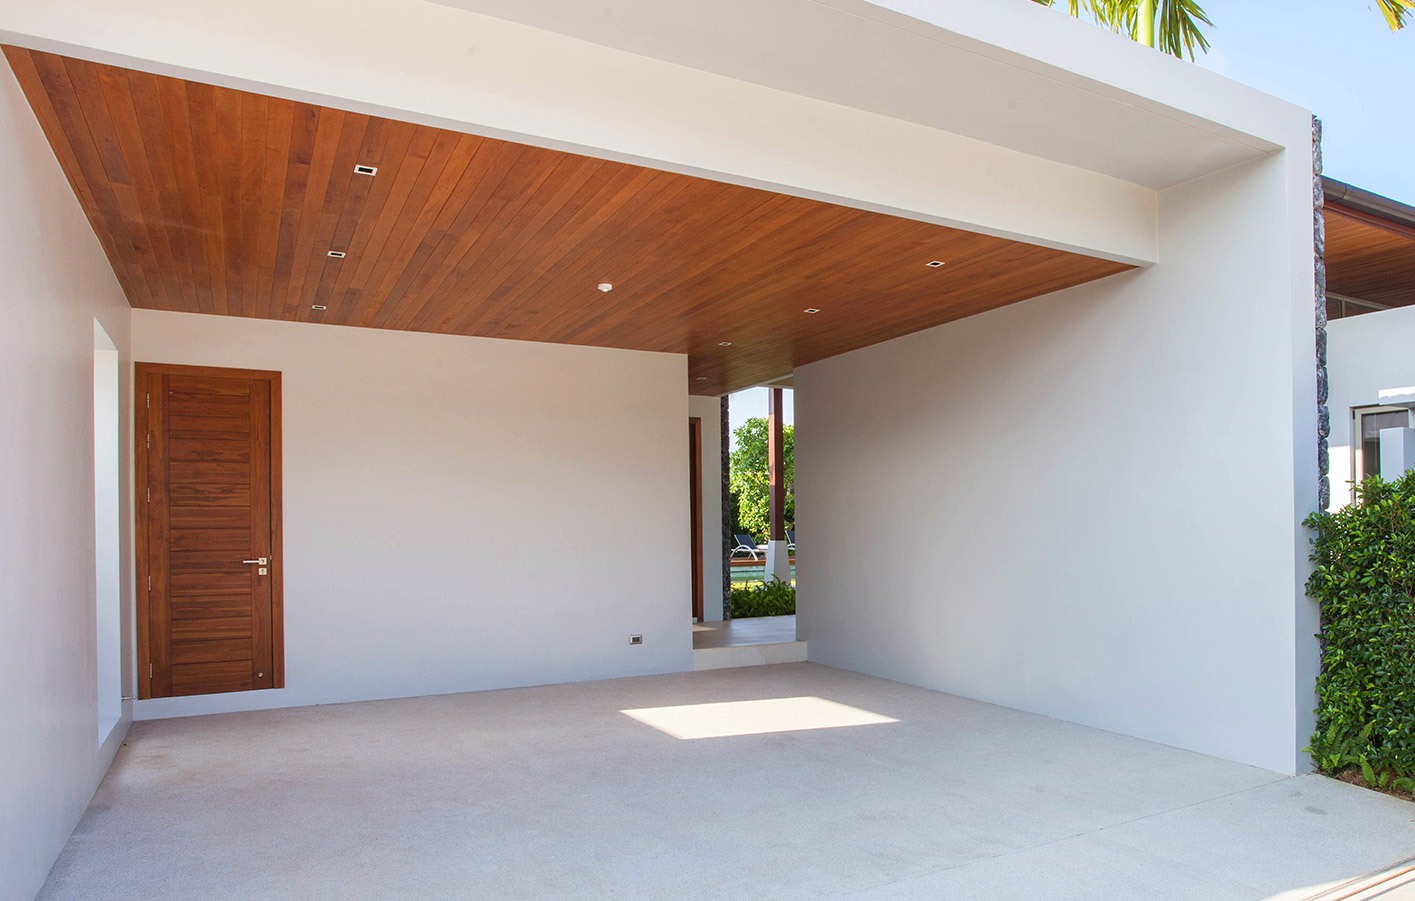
<point x="774" y="598"/>
<point x="1364" y="581"/>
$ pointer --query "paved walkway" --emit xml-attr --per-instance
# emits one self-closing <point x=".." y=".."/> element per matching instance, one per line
<point x="736" y="633"/>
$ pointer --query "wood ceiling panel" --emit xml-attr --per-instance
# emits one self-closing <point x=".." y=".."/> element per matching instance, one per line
<point x="1369" y="258"/>
<point x="213" y="200"/>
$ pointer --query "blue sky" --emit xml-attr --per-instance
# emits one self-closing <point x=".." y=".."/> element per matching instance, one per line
<point x="1336" y="58"/>
<point x="1340" y="60"/>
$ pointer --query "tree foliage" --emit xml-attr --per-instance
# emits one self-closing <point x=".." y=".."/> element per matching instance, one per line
<point x="1179" y="24"/>
<point x="748" y="478"/>
<point x="1364" y="580"/>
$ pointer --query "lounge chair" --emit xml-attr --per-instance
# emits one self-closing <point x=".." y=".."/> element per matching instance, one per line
<point x="791" y="539"/>
<point x="744" y="543"/>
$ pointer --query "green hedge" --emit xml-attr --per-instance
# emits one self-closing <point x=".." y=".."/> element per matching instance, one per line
<point x="1365" y="581"/>
<point x="775" y="598"/>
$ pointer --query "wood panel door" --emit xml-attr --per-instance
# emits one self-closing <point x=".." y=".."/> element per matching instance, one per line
<point x="208" y="537"/>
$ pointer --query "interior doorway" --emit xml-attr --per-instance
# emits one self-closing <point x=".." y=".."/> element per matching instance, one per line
<point x="695" y="511"/>
<point x="209" y="530"/>
<point x="108" y="604"/>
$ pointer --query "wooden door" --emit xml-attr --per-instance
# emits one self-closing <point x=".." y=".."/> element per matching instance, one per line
<point x="695" y="510"/>
<point x="208" y="537"/>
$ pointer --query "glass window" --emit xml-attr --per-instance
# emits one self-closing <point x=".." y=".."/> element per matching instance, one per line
<point x="1371" y="424"/>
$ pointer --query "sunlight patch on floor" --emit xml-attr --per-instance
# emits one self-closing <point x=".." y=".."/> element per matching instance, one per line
<point x="727" y="718"/>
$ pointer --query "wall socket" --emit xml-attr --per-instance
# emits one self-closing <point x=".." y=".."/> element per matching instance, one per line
<point x="636" y="639"/>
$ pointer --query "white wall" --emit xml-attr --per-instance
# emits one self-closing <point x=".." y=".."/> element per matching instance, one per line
<point x="1366" y="354"/>
<point x="54" y="282"/>
<point x="1086" y="505"/>
<point x="455" y="508"/>
<point x="710" y="410"/>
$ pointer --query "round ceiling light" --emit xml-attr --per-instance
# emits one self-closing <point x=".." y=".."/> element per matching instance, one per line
<point x="606" y="287"/>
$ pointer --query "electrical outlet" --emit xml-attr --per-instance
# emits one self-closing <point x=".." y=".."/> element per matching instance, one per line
<point x="636" y="639"/>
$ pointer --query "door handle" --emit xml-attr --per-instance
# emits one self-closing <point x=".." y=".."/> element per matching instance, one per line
<point x="259" y="560"/>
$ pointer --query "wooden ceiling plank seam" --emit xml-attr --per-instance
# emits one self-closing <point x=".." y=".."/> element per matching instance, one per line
<point x="160" y="142"/>
<point x="468" y="279"/>
<point x="481" y="244"/>
<point x="400" y="172"/>
<point x="483" y="186"/>
<point x="633" y="217"/>
<point x="59" y="81"/>
<point x="413" y="233"/>
<point x="777" y="243"/>
<point x="139" y="159"/>
<point x="385" y="153"/>
<point x="304" y="124"/>
<point x="623" y="185"/>
<point x="308" y="254"/>
<point x="342" y="207"/>
<point x="201" y="102"/>
<point x="22" y="63"/>
<point x="279" y="128"/>
<point x="111" y="117"/>
<point x="336" y="197"/>
<point x="230" y="176"/>
<point x="254" y="115"/>
<point x="432" y="151"/>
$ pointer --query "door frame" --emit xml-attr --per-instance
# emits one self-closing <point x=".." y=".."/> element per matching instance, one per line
<point x="142" y="636"/>
<point x="695" y="509"/>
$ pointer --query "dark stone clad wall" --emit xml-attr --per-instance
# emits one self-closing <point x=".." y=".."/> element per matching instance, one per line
<point x="726" y="517"/>
<point x="1319" y="251"/>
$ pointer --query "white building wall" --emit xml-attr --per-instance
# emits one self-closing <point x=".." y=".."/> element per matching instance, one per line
<point x="456" y="508"/>
<point x="1366" y="354"/>
<point x="54" y="282"/>
<point x="1085" y="505"/>
<point x="709" y="409"/>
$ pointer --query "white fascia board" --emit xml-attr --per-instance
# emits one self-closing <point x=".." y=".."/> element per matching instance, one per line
<point x="433" y="64"/>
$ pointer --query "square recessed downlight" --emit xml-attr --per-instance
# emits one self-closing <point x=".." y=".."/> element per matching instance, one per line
<point x="318" y="306"/>
<point x="812" y="310"/>
<point x="365" y="170"/>
<point x="934" y="264"/>
<point x="337" y="254"/>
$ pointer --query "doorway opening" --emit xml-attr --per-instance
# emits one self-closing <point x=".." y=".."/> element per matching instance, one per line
<point x="760" y="520"/>
<point x="107" y="571"/>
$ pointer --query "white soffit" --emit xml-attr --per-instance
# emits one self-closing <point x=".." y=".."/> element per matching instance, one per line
<point x="864" y="56"/>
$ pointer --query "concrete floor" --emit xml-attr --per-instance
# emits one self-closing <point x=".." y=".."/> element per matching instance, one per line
<point x="554" y="792"/>
<point x="735" y="633"/>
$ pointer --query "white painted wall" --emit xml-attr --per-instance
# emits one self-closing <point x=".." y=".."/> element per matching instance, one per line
<point x="1086" y="505"/>
<point x="1366" y="354"/>
<point x="710" y="410"/>
<point x="455" y="508"/>
<point x="54" y="282"/>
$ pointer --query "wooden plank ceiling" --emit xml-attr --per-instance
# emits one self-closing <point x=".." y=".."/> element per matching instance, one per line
<point x="1369" y="258"/>
<point x="214" y="200"/>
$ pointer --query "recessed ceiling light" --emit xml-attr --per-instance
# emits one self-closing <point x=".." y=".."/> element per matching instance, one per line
<point x="318" y="306"/>
<point x="365" y="170"/>
<point x="702" y="378"/>
<point x="812" y="310"/>
<point x="934" y="264"/>
<point x="337" y="254"/>
<point x="724" y="344"/>
<point x="606" y="287"/>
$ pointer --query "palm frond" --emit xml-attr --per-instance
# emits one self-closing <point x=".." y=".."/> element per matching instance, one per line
<point x="1177" y="27"/>
<point x="1395" y="12"/>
